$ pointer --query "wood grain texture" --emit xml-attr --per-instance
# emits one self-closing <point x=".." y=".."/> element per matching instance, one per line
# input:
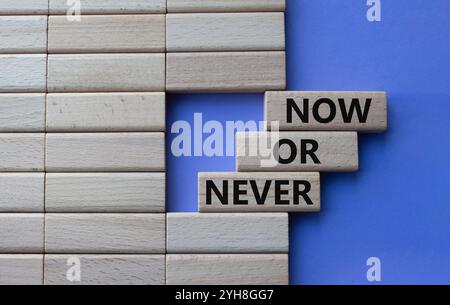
<point x="354" y="111"/>
<point x="226" y="71"/>
<point x="335" y="151"/>
<point x="231" y="269"/>
<point x="84" y="112"/>
<point x="259" y="192"/>
<point x="103" y="192"/>
<point x="103" y="7"/>
<point x="24" y="112"/>
<point x="227" y="233"/>
<point x="225" y="32"/>
<point x="97" y="152"/>
<point x="23" y="7"/>
<point x="22" y="233"/>
<point x="107" y="269"/>
<point x="23" y="34"/>
<point x="107" y="34"/>
<point x="105" y="233"/>
<point x="22" y="152"/>
<point x="22" y="192"/>
<point x="23" y="73"/>
<point x="21" y="269"/>
<point x="197" y="6"/>
<point x="106" y="72"/>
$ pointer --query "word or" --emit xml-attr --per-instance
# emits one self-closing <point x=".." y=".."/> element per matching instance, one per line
<point x="305" y="148"/>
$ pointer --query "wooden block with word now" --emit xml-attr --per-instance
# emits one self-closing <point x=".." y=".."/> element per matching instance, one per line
<point x="104" y="7"/>
<point x="23" y="73"/>
<point x="227" y="233"/>
<point x="21" y="269"/>
<point x="22" y="112"/>
<point x="345" y="111"/>
<point x="23" y="34"/>
<point x="259" y="192"/>
<point x="105" y="270"/>
<point x="22" y="233"/>
<point x="22" y="152"/>
<point x="24" y="7"/>
<point x="197" y="6"/>
<point x="228" y="269"/>
<point x="105" y="233"/>
<point x="297" y="151"/>
<point x="22" y="192"/>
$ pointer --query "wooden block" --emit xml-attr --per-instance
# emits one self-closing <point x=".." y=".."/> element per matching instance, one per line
<point x="22" y="193"/>
<point x="107" y="34"/>
<point x="23" y="7"/>
<point x="105" y="193"/>
<point x="227" y="233"/>
<point x="105" y="233"/>
<point x="23" y="34"/>
<point x="197" y="6"/>
<point x="22" y="233"/>
<point x="106" y="269"/>
<point x="231" y="269"/>
<point x="23" y="73"/>
<point x="226" y="71"/>
<point x="22" y="152"/>
<point x="22" y="112"/>
<point x="225" y="32"/>
<point x="21" y="269"/>
<point x="346" y="111"/>
<point x="259" y="192"/>
<point x="84" y="112"/>
<point x="103" y="7"/>
<point x="106" y="72"/>
<point x="97" y="152"/>
<point x="297" y="151"/>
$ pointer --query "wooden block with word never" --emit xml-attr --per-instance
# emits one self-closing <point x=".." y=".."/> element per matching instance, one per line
<point x="104" y="7"/>
<point x="22" y="152"/>
<point x="197" y="6"/>
<point x="22" y="192"/>
<point x="23" y="73"/>
<point x="23" y="34"/>
<point x="21" y="269"/>
<point x="22" y="112"/>
<point x="22" y="233"/>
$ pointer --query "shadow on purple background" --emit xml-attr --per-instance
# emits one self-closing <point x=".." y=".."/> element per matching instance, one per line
<point x="397" y="207"/>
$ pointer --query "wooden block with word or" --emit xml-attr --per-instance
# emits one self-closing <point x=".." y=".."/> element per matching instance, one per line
<point x="227" y="233"/>
<point x="105" y="192"/>
<point x="105" y="233"/>
<point x="22" y="192"/>
<point x="226" y="71"/>
<point x="24" y="7"/>
<point x="228" y="269"/>
<point x="225" y="32"/>
<point x="23" y="34"/>
<point x="105" y="270"/>
<point x="22" y="152"/>
<point x="197" y="6"/>
<point x="22" y="233"/>
<point x="21" y="269"/>
<point x="23" y="73"/>
<point x="106" y="72"/>
<point x="103" y="7"/>
<point x="107" y="34"/>
<point x="105" y="152"/>
<point x="322" y="110"/>
<point x="259" y="192"/>
<point x="22" y="112"/>
<point x="297" y="151"/>
<point x="89" y="112"/>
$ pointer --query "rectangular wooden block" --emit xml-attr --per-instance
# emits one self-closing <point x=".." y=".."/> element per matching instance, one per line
<point x="21" y="269"/>
<point x="22" y="233"/>
<point x="259" y="192"/>
<point x="23" y="112"/>
<point x="105" y="192"/>
<point x="107" y="34"/>
<point x="227" y="233"/>
<point x="106" y="269"/>
<point x="231" y="269"/>
<point x="108" y="152"/>
<point x="23" y="34"/>
<point x="22" y="152"/>
<point x="106" y="72"/>
<point x="103" y="7"/>
<point x="197" y="6"/>
<point x="226" y="71"/>
<point x="334" y="110"/>
<point x="88" y="112"/>
<point x="105" y="233"/>
<point x="23" y="73"/>
<point x="297" y="151"/>
<point x="225" y="32"/>
<point x="22" y="192"/>
<point x="23" y="7"/>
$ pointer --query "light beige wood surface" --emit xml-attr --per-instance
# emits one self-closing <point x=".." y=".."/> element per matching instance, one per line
<point x="103" y="7"/>
<point x="234" y="269"/>
<point x="22" y="233"/>
<point x="23" y="34"/>
<point x="226" y="71"/>
<point x="22" y="152"/>
<point x="23" y="73"/>
<point x="225" y="5"/>
<point x="23" y="7"/>
<point x="23" y="112"/>
<point x="21" y="269"/>
<point x="107" y="34"/>
<point x="22" y="192"/>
